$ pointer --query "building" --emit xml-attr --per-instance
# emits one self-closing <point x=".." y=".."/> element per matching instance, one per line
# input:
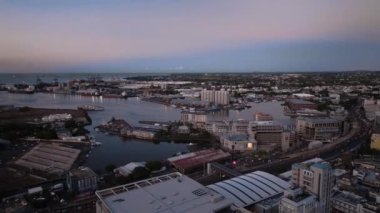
<point x="218" y="127"/>
<point x="139" y="133"/>
<point x="318" y="128"/>
<point x="289" y="141"/>
<point x="221" y="97"/>
<point x="168" y="193"/>
<point x="335" y="98"/>
<point x="240" y="127"/>
<point x="270" y="205"/>
<point x="295" y="200"/>
<point x="298" y="104"/>
<point x="127" y="169"/>
<point x="57" y="117"/>
<point x="263" y="117"/>
<point x="196" y="117"/>
<point x="317" y="179"/>
<point x="344" y="201"/>
<point x="372" y="109"/>
<point x="81" y="179"/>
<point x="49" y="158"/>
<point x="188" y="162"/>
<point x="239" y="142"/>
<point x="377" y="121"/>
<point x="303" y="96"/>
<point x="375" y="142"/>
<point x="247" y="190"/>
<point x="268" y="134"/>
<point x="183" y="129"/>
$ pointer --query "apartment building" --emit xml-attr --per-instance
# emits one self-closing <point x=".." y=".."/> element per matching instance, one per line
<point x="221" y="97"/>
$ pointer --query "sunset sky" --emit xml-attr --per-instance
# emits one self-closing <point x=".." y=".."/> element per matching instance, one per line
<point x="189" y="35"/>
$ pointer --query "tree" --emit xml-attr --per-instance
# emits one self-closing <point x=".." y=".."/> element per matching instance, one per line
<point x="70" y="124"/>
<point x="153" y="165"/>
<point x="139" y="173"/>
<point x="110" y="167"/>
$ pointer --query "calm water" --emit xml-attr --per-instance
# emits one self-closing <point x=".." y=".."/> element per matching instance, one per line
<point x="116" y="150"/>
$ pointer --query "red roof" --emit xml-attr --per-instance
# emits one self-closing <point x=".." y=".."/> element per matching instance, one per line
<point x="200" y="157"/>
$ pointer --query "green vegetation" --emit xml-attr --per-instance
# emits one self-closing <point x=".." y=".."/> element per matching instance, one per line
<point x="349" y="103"/>
<point x="45" y="133"/>
<point x="323" y="106"/>
<point x="195" y="135"/>
<point x="110" y="167"/>
<point x="75" y="128"/>
<point x="138" y="174"/>
<point x="153" y="165"/>
<point x="14" y="131"/>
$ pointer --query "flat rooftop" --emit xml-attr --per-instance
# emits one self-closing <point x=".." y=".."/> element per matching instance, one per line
<point x="168" y="193"/>
<point x="50" y="158"/>
<point x="349" y="197"/>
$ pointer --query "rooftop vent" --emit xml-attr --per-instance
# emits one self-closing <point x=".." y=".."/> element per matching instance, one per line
<point x="118" y="200"/>
<point x="200" y="192"/>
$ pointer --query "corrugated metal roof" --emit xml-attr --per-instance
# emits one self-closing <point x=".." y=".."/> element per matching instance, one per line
<point x="250" y="188"/>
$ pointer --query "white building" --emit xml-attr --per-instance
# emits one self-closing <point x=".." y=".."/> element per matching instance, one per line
<point x="56" y="117"/>
<point x="128" y="168"/>
<point x="194" y="117"/>
<point x="168" y="193"/>
<point x="221" y="97"/>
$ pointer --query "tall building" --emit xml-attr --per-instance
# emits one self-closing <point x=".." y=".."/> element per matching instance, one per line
<point x="315" y="178"/>
<point x="221" y="97"/>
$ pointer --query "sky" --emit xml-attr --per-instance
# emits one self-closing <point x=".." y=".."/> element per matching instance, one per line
<point x="189" y="35"/>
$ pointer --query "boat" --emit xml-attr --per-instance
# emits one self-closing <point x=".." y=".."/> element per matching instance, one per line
<point x="88" y="107"/>
<point x="96" y="143"/>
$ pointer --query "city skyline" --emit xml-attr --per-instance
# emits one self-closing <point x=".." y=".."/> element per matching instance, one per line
<point x="183" y="36"/>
